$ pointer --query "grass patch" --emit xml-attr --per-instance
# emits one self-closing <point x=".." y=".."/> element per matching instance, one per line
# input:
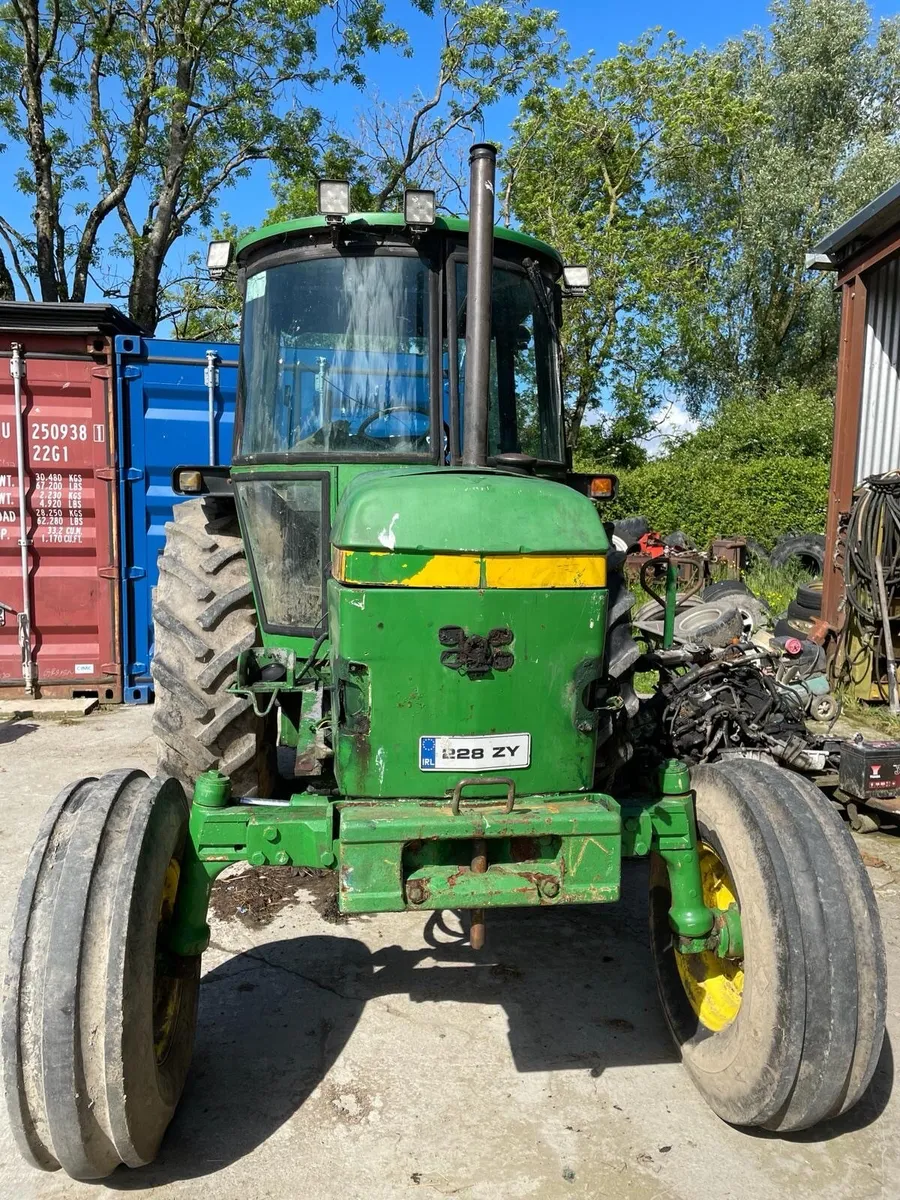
<point x="876" y="716"/>
<point x="776" y="585"/>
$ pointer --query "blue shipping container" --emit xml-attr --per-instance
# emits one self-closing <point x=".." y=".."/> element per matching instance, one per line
<point x="163" y="421"/>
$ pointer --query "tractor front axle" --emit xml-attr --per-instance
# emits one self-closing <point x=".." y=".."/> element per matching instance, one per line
<point x="476" y="853"/>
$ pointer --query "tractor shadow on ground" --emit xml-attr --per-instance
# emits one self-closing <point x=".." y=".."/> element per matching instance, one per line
<point x="577" y="986"/>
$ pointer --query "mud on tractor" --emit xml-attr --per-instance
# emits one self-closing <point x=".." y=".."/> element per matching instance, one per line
<point x="391" y="641"/>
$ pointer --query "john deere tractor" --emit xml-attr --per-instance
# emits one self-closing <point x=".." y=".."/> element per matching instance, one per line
<point x="391" y="642"/>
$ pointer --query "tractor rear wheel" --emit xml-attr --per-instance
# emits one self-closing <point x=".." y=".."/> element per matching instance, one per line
<point x="204" y="617"/>
<point x="98" y="1016"/>
<point x="789" y="1034"/>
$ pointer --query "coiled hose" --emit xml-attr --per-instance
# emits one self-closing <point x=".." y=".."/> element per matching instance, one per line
<point x="872" y="534"/>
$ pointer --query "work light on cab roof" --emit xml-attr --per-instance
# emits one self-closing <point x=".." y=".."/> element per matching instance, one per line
<point x="334" y="198"/>
<point x="218" y="259"/>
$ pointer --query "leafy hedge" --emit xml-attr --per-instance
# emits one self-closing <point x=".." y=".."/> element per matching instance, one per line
<point x="759" y="467"/>
<point x="708" y="498"/>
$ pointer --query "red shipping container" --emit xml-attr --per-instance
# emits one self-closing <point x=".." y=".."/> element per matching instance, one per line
<point x="69" y="443"/>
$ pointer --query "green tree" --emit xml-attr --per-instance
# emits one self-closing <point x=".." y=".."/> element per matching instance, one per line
<point x="490" y="50"/>
<point x="157" y="105"/>
<point x="822" y="89"/>
<point x="610" y="444"/>
<point x="581" y="173"/>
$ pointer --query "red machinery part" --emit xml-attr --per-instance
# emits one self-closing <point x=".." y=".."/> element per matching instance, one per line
<point x="653" y="545"/>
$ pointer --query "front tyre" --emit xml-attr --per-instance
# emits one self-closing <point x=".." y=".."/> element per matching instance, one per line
<point x="98" y="1017"/>
<point x="789" y="1035"/>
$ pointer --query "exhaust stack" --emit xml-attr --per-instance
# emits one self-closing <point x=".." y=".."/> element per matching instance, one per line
<point x="482" y="168"/>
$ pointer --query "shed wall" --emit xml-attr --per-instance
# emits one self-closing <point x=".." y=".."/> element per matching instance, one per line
<point x="878" y="450"/>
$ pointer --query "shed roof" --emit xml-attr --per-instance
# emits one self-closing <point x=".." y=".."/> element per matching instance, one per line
<point x="863" y="227"/>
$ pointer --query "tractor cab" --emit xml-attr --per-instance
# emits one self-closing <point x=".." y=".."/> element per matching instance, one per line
<point x="354" y="344"/>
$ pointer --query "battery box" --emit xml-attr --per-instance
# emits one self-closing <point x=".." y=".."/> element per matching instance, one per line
<point x="870" y="769"/>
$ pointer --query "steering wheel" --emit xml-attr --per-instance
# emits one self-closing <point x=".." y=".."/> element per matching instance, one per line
<point x="386" y="412"/>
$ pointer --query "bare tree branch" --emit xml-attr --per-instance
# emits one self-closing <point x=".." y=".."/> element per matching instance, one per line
<point x="10" y="236"/>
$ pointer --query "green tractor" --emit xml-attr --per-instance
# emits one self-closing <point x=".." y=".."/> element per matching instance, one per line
<point x="391" y="642"/>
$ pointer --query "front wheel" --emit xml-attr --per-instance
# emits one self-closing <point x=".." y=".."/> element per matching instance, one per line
<point x="98" y="1017"/>
<point x="790" y="1034"/>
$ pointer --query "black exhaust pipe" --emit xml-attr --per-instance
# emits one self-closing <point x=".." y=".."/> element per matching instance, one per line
<point x="483" y="169"/>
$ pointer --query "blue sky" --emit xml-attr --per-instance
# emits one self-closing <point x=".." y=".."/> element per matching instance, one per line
<point x="589" y="24"/>
<point x="598" y="25"/>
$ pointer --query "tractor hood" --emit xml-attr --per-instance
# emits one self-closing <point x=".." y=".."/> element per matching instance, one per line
<point x="465" y="511"/>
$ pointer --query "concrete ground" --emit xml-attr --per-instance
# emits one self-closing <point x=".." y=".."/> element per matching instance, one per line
<point x="378" y="1057"/>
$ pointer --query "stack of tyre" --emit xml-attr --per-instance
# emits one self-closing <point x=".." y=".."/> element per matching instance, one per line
<point x="807" y="549"/>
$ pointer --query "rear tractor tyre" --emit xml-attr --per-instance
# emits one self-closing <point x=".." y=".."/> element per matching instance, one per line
<point x="98" y="1017"/>
<point x="790" y="1034"/>
<point x="204" y="616"/>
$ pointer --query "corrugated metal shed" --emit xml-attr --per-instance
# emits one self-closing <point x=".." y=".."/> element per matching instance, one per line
<point x="879" y="418"/>
<point x="865" y="253"/>
<point x="862" y="228"/>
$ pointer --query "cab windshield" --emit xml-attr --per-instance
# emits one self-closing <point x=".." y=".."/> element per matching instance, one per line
<point x="342" y="357"/>
<point x="335" y="358"/>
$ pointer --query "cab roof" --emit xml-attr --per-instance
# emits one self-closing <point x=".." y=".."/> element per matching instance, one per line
<point x="271" y="233"/>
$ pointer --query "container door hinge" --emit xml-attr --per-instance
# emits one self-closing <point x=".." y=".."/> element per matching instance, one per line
<point x="135" y="573"/>
<point x="109" y="668"/>
<point x="131" y="372"/>
<point x="101" y="373"/>
<point x="113" y="475"/>
<point x="137" y="668"/>
<point x="108" y="572"/>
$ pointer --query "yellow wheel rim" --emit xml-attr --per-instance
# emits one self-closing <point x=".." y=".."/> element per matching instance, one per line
<point x="170" y="890"/>
<point x="166" y="988"/>
<point x="714" y="986"/>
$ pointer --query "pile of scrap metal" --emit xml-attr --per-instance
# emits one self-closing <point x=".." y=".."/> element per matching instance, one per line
<point x="727" y="686"/>
<point x="634" y="537"/>
<point x="744" y="699"/>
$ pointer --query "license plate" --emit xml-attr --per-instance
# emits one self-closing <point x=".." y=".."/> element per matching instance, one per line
<point x="488" y="752"/>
